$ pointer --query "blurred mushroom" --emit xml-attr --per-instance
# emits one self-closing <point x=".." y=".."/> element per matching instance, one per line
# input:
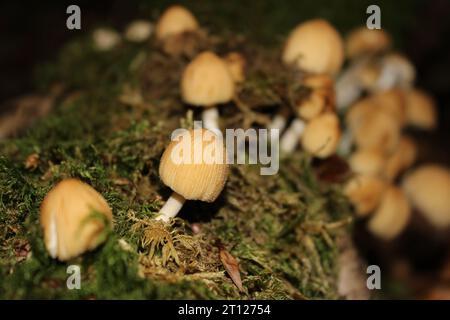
<point x="236" y="64"/>
<point x="428" y="189"/>
<point x="401" y="158"/>
<point x="363" y="41"/>
<point x="174" y="21"/>
<point x="420" y="110"/>
<point x="364" y="192"/>
<point x="73" y="216"/>
<point x="367" y="162"/>
<point x="206" y="82"/>
<point x="105" y="39"/>
<point x="138" y="31"/>
<point x="321" y="135"/>
<point x="194" y="167"/>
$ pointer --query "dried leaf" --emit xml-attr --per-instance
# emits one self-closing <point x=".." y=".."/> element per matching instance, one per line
<point x="231" y="265"/>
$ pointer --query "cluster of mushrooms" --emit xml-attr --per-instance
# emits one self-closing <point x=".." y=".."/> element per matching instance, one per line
<point x="373" y="93"/>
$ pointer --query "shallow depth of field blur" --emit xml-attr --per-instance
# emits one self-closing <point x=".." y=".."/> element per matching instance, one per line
<point x="416" y="264"/>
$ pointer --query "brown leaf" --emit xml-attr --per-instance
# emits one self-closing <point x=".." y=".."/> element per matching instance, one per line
<point x="232" y="267"/>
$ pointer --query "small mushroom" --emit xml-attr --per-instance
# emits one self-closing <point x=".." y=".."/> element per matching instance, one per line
<point x="402" y="158"/>
<point x="236" y="64"/>
<point x="206" y="82"/>
<point x="364" y="192"/>
<point x="321" y="135"/>
<point x="364" y="41"/>
<point x="138" y="31"/>
<point x="392" y="102"/>
<point x="396" y="71"/>
<point x="428" y="189"/>
<point x="175" y="21"/>
<point x="105" y="39"/>
<point x="194" y="167"/>
<point x="391" y="216"/>
<point x="420" y="110"/>
<point x="367" y="162"/>
<point x="73" y="215"/>
<point x="315" y="46"/>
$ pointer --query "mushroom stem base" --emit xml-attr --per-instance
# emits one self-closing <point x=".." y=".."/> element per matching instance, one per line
<point x="210" y="117"/>
<point x="291" y="137"/>
<point x="171" y="208"/>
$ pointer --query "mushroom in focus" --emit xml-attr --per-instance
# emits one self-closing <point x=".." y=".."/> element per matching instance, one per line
<point x="194" y="167"/>
<point x="73" y="216"/>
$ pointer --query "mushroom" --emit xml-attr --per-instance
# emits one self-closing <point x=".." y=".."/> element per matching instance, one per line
<point x="364" y="192"/>
<point x="105" y="39"/>
<point x="367" y="162"/>
<point x="314" y="46"/>
<point x="175" y="21"/>
<point x="205" y="82"/>
<point x="321" y="135"/>
<point x="428" y="189"/>
<point x="236" y="64"/>
<point x="420" y="110"/>
<point x="194" y="167"/>
<point x="401" y="158"/>
<point x="392" y="215"/>
<point x="138" y="31"/>
<point x="363" y="41"/>
<point x="73" y="216"/>
<point x="396" y="71"/>
<point x="392" y="102"/>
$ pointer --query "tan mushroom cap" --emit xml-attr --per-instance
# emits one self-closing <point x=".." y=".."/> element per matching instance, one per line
<point x="428" y="189"/>
<point x="206" y="81"/>
<point x="367" y="161"/>
<point x="402" y="158"/>
<point x="175" y="20"/>
<point x="364" y="192"/>
<point x="420" y="110"/>
<point x="363" y="41"/>
<point x="64" y="217"/>
<point x="236" y="64"/>
<point x="359" y="111"/>
<point x="392" y="215"/>
<point x="322" y="134"/>
<point x="392" y="102"/>
<point x="315" y="46"/>
<point x="194" y="165"/>
<point x="312" y="106"/>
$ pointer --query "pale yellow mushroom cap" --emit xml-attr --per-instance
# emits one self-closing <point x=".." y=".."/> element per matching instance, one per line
<point x="312" y="106"/>
<point x="175" y="20"/>
<point x="364" y="41"/>
<point x="428" y="189"/>
<point x="364" y="192"/>
<point x="420" y="110"/>
<point x="315" y="46"/>
<point x="321" y="135"/>
<point x="68" y="218"/>
<point x="236" y="64"/>
<point x="367" y="161"/>
<point x="392" y="215"/>
<point x="194" y="165"/>
<point x="402" y="158"/>
<point x="206" y="81"/>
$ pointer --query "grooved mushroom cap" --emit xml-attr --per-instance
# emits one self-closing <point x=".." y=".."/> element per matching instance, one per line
<point x="401" y="159"/>
<point x="194" y="165"/>
<point x="420" y="110"/>
<point x="392" y="215"/>
<point x="206" y="81"/>
<point x="315" y="46"/>
<point x="65" y="216"/>
<point x="175" y="20"/>
<point x="321" y="135"/>
<point x="428" y="189"/>
<point x="364" y="192"/>
<point x="363" y="41"/>
<point x="367" y="161"/>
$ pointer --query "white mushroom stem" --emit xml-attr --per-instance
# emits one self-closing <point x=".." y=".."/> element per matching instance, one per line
<point x="278" y="122"/>
<point x="171" y="208"/>
<point x="345" y="145"/>
<point x="210" y="117"/>
<point x="348" y="86"/>
<point x="291" y="137"/>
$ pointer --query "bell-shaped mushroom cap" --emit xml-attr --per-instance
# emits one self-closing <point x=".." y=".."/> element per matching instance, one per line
<point x="420" y="110"/>
<point x="428" y="189"/>
<point x="402" y="158"/>
<point x="364" y="192"/>
<point x="194" y="165"/>
<point x="175" y="20"/>
<point x="392" y="215"/>
<point x="377" y="130"/>
<point x="206" y="81"/>
<point x="236" y="64"/>
<point x="367" y="161"/>
<point x="65" y="217"/>
<point x="363" y="41"/>
<point x="392" y="102"/>
<point x="315" y="46"/>
<point x="321" y="135"/>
